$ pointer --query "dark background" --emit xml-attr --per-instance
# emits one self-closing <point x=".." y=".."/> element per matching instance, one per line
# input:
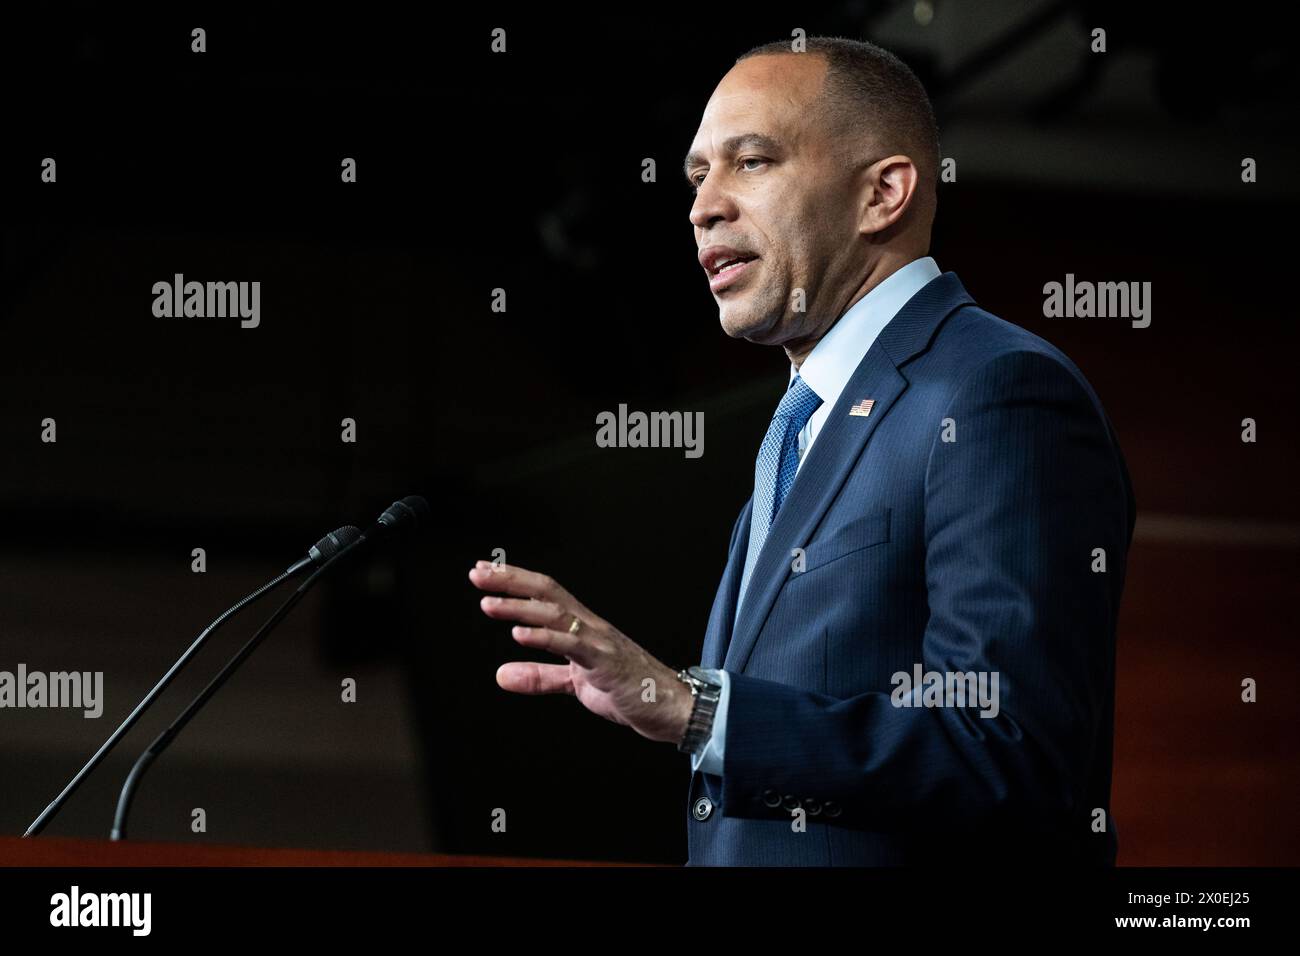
<point x="523" y="171"/>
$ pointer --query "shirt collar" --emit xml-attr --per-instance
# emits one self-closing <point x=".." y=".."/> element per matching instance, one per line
<point x="835" y="358"/>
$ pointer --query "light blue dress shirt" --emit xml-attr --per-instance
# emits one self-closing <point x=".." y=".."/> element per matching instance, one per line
<point x="826" y="370"/>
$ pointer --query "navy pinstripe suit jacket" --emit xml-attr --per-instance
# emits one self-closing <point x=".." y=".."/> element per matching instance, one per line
<point x="977" y="554"/>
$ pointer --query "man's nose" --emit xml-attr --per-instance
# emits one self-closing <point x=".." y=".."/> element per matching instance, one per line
<point x="712" y="205"/>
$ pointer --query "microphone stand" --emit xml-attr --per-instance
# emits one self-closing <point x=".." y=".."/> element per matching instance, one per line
<point x="40" y="822"/>
<point x="326" y="546"/>
<point x="407" y="512"/>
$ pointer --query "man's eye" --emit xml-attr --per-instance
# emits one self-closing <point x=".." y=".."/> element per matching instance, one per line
<point x="698" y="179"/>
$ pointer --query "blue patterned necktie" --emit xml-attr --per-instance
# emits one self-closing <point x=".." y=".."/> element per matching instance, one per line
<point x="774" y="471"/>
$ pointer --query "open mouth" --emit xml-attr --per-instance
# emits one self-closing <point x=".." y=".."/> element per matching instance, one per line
<point x="726" y="271"/>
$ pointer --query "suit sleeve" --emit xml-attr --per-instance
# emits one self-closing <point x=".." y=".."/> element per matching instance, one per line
<point x="1014" y="509"/>
<point x="709" y="759"/>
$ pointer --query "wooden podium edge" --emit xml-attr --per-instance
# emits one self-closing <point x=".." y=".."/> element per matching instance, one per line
<point x="75" y="853"/>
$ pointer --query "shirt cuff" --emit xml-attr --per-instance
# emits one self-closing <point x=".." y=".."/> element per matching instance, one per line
<point x="709" y="758"/>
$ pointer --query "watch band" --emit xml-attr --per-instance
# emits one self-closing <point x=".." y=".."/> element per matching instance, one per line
<point x="706" y="693"/>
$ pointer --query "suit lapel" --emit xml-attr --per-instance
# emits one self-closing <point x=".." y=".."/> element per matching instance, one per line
<point x="833" y="455"/>
<point x="829" y="461"/>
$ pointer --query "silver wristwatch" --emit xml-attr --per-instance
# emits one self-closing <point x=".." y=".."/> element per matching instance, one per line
<point x="706" y="692"/>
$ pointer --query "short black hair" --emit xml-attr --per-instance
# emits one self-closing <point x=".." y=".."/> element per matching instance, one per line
<point x="870" y="90"/>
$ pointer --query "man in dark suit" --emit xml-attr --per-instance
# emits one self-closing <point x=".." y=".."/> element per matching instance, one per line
<point x="911" y="654"/>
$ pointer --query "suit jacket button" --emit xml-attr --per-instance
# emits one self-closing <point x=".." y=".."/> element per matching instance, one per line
<point x="812" y="806"/>
<point x="832" y="808"/>
<point x="771" y="798"/>
<point x="791" y="801"/>
<point x="702" y="809"/>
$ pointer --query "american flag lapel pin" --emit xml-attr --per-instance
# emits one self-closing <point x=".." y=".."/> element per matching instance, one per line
<point x="863" y="408"/>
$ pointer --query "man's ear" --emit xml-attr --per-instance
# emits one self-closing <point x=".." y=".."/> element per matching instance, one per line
<point x="888" y="187"/>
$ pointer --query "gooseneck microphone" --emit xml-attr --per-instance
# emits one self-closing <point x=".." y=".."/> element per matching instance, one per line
<point x="319" y="553"/>
<point x="399" y="516"/>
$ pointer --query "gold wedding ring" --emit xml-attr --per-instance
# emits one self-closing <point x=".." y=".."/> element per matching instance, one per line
<point x="575" y="626"/>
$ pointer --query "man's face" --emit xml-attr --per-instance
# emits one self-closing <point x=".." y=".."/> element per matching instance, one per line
<point x="772" y="193"/>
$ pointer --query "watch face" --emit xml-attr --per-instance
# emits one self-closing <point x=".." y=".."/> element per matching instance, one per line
<point x="700" y="674"/>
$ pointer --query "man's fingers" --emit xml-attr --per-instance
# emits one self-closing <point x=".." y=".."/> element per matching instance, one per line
<point x="507" y="579"/>
<point x="540" y="613"/>
<point x="562" y="644"/>
<point x="527" y="677"/>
